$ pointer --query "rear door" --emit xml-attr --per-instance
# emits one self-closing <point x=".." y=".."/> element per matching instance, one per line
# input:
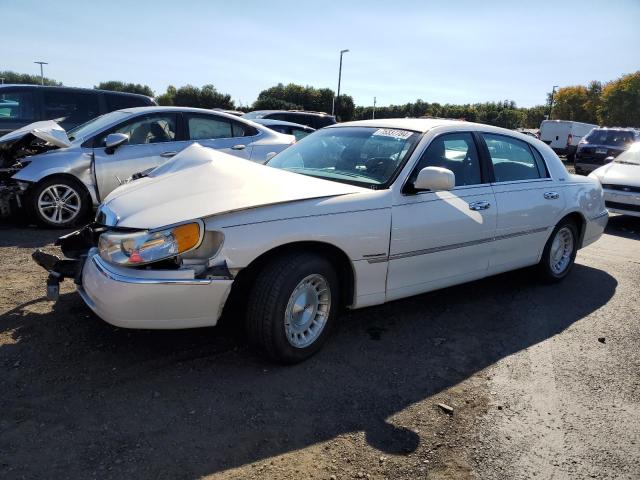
<point x="220" y="133"/>
<point x="527" y="198"/>
<point x="153" y="139"/>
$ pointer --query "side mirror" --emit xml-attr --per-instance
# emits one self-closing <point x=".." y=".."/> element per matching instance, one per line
<point x="114" y="140"/>
<point x="609" y="159"/>
<point x="435" y="179"/>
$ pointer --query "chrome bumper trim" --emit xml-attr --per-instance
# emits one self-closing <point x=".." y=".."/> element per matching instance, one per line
<point x="104" y="269"/>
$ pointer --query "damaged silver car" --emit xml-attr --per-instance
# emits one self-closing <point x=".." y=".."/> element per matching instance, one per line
<point x="57" y="177"/>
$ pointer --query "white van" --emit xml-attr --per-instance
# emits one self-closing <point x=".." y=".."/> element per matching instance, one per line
<point x="563" y="135"/>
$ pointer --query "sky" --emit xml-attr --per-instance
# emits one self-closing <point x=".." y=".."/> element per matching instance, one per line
<point x="439" y="51"/>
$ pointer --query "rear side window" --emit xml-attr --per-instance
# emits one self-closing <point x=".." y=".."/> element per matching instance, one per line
<point x="512" y="159"/>
<point x="70" y="107"/>
<point x="118" y="102"/>
<point x="208" y="127"/>
<point x="456" y="152"/>
<point x="17" y="104"/>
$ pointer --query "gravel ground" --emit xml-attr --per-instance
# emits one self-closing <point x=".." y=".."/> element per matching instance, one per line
<point x="543" y="381"/>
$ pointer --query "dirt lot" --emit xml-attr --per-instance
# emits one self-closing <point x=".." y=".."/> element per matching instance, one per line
<point x="544" y="382"/>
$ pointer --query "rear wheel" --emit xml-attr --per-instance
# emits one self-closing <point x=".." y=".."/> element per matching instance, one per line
<point x="292" y="307"/>
<point x="59" y="202"/>
<point x="560" y="252"/>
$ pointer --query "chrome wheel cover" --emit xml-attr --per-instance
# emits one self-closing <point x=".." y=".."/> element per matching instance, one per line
<point x="307" y="311"/>
<point x="59" y="204"/>
<point x="561" y="251"/>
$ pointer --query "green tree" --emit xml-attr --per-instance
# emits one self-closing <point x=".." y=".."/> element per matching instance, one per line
<point x="620" y="102"/>
<point x="569" y="103"/>
<point x="166" y="99"/>
<point x="293" y="96"/>
<point x="26" y="79"/>
<point x="191" y="96"/>
<point x="117" y="86"/>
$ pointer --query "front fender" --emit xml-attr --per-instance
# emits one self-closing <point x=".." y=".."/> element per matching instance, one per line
<point x="74" y="163"/>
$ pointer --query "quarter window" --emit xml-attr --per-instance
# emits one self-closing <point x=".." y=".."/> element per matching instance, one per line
<point x="71" y="107"/>
<point x="456" y="152"/>
<point x="512" y="159"/>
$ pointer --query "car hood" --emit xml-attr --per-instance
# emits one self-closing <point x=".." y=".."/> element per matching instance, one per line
<point x="200" y="182"/>
<point x="619" y="174"/>
<point x="32" y="139"/>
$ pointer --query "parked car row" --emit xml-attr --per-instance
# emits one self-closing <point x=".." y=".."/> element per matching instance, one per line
<point x="353" y="215"/>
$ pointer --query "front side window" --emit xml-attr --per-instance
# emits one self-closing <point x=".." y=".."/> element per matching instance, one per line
<point x="456" y="152"/>
<point x="147" y="129"/>
<point x="512" y="159"/>
<point x="363" y="156"/>
<point x="17" y="104"/>
<point x="72" y="107"/>
<point x="208" y="127"/>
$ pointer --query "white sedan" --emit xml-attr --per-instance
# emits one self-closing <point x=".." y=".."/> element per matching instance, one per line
<point x="620" y="180"/>
<point x="355" y="215"/>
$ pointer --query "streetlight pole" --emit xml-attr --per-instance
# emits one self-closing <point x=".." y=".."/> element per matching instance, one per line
<point x="337" y="98"/>
<point x="374" y="108"/>
<point x="41" y="71"/>
<point x="553" y="91"/>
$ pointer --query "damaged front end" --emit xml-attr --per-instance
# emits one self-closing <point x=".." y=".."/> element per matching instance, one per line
<point x="16" y="148"/>
<point x="75" y="246"/>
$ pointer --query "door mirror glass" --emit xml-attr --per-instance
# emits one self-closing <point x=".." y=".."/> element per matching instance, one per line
<point x="435" y="179"/>
<point x="114" y="140"/>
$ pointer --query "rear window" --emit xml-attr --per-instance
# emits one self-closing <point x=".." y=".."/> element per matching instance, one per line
<point x="17" y="104"/>
<point x="601" y="136"/>
<point x="118" y="102"/>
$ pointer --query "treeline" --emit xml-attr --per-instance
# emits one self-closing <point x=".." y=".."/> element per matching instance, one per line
<point x="614" y="103"/>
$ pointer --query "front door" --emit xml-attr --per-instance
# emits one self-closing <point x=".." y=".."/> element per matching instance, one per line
<point x="442" y="238"/>
<point x="152" y="141"/>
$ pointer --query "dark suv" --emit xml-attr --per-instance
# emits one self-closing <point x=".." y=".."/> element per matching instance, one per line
<point x="601" y="145"/>
<point x="21" y="105"/>
<point x="311" y="119"/>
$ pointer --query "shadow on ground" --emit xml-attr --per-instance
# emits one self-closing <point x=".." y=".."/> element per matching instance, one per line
<point x="78" y="395"/>
<point x="624" y="226"/>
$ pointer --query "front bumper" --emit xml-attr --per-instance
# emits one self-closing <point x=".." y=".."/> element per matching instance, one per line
<point x="625" y="203"/>
<point x="151" y="299"/>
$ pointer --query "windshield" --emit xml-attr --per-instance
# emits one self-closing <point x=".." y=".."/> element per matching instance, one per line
<point x="631" y="156"/>
<point x="94" y="126"/>
<point x="362" y="156"/>
<point x="617" y="138"/>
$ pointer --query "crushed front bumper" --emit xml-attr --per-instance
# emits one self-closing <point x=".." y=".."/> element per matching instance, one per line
<point x="133" y="298"/>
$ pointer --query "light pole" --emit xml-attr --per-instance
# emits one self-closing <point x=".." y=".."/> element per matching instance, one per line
<point x="374" y="108"/>
<point x="337" y="98"/>
<point x="41" y="71"/>
<point x="553" y="91"/>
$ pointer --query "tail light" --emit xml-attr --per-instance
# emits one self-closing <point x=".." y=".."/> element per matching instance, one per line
<point x="569" y="139"/>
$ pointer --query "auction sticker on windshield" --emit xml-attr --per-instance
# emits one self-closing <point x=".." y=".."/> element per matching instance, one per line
<point x="390" y="132"/>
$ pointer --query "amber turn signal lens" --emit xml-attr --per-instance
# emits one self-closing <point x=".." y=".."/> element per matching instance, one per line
<point x="186" y="236"/>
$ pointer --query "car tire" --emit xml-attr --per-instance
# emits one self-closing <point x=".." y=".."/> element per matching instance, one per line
<point x="559" y="252"/>
<point x="58" y="202"/>
<point x="292" y="307"/>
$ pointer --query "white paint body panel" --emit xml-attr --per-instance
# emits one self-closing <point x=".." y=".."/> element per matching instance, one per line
<point x="397" y="244"/>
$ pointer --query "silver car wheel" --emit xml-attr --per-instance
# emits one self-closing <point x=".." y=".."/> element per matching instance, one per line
<point x="59" y="204"/>
<point x="307" y="311"/>
<point x="561" y="251"/>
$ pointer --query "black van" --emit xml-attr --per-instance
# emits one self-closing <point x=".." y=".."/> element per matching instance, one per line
<point x="310" y="119"/>
<point x="21" y="105"/>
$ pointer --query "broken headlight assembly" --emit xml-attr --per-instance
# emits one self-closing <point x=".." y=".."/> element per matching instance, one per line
<point x="132" y="249"/>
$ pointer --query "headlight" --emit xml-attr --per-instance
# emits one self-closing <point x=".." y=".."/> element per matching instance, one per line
<point x="140" y="248"/>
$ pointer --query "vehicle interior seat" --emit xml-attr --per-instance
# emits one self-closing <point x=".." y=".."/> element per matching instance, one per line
<point x="158" y="134"/>
<point x="140" y="134"/>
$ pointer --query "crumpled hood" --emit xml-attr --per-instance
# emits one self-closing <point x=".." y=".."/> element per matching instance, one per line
<point x="47" y="130"/>
<point x="200" y="182"/>
<point x="619" y="174"/>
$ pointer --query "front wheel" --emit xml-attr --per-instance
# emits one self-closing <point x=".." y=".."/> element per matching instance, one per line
<point x="292" y="307"/>
<point x="58" y="202"/>
<point x="560" y="252"/>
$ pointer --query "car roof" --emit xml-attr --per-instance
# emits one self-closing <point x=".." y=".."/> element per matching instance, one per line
<point x="303" y="112"/>
<point x="417" y="124"/>
<point x="268" y="121"/>
<point x="74" y="89"/>
<point x="179" y="109"/>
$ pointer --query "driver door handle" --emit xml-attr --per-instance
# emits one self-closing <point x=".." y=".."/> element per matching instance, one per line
<point x="238" y="147"/>
<point x="168" y="154"/>
<point x="481" y="205"/>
